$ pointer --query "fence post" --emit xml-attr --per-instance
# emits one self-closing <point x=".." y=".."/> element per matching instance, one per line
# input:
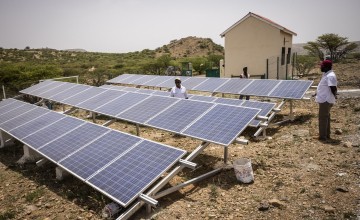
<point x="3" y="87"/>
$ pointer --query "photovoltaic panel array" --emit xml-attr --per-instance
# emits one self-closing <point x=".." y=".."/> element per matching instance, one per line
<point x="287" y="89"/>
<point x="166" y="113"/>
<point x="119" y="165"/>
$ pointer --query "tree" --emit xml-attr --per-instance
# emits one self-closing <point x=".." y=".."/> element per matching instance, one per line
<point x="337" y="47"/>
<point x="305" y="63"/>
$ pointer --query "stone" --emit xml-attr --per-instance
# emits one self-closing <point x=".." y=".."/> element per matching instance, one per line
<point x="264" y="206"/>
<point x="329" y="209"/>
<point x="338" y="131"/>
<point x="277" y="203"/>
<point x="342" y="189"/>
<point x="347" y="144"/>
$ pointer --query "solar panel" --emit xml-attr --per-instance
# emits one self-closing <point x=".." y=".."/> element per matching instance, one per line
<point x="203" y="98"/>
<point x="130" y="89"/>
<point x="233" y="86"/>
<point x="45" y="88"/>
<point x="178" y="116"/>
<point x="113" y="87"/>
<point x="120" y="104"/>
<point x="6" y="102"/>
<point x="145" y="91"/>
<point x="169" y="83"/>
<point x="158" y="81"/>
<point x="14" y="112"/>
<point x="37" y="86"/>
<point x="119" y="78"/>
<point x="129" y="79"/>
<point x="226" y="101"/>
<point x="36" y="124"/>
<point x="260" y="87"/>
<point x="72" y="141"/>
<point x="52" y="131"/>
<point x="210" y="84"/>
<point x="291" y="89"/>
<point x="147" y="109"/>
<point x="57" y="89"/>
<point x="83" y="96"/>
<point x="161" y="93"/>
<point x="97" y="154"/>
<point x="192" y="82"/>
<point x="61" y="97"/>
<point x="100" y="99"/>
<point x="143" y="80"/>
<point x="23" y="118"/>
<point x="128" y="176"/>
<point x="223" y="124"/>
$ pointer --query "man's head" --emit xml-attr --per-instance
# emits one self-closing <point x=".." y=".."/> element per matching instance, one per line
<point x="178" y="82"/>
<point x="326" y="65"/>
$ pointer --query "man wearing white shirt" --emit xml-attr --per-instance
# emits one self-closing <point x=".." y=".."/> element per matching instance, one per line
<point x="178" y="90"/>
<point x="326" y="96"/>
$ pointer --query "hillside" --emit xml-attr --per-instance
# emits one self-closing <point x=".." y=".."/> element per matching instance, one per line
<point x="190" y="47"/>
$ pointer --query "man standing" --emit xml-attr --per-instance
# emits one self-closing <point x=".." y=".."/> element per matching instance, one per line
<point x="178" y="90"/>
<point x="245" y="75"/>
<point x="325" y="96"/>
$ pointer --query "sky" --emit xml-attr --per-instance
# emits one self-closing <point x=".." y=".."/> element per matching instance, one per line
<point x="121" y="26"/>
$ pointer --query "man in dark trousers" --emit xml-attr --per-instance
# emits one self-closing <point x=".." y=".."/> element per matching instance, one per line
<point x="245" y="75"/>
<point x="325" y="96"/>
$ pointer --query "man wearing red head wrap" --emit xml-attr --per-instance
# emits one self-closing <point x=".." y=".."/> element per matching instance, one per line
<point x="325" y="96"/>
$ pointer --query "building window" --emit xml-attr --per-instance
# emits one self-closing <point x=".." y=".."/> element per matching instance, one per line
<point x="288" y="56"/>
<point x="283" y="56"/>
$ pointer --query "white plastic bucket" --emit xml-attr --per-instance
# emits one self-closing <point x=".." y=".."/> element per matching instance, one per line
<point x="243" y="170"/>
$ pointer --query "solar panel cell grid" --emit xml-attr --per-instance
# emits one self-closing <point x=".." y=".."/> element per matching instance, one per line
<point x="86" y="94"/>
<point x="210" y="84"/>
<point x="203" y="98"/>
<point x="93" y="157"/>
<point x="132" y="173"/>
<point x="23" y="118"/>
<point x="77" y="138"/>
<point x="18" y="110"/>
<point x="178" y="116"/>
<point x="55" y="89"/>
<point x="260" y="87"/>
<point x="146" y="109"/>
<point x="53" y="131"/>
<point x="36" y="124"/>
<point x="61" y="97"/>
<point x="192" y="82"/>
<point x="291" y="89"/>
<point x="37" y="86"/>
<point x="234" y="86"/>
<point x="223" y="124"/>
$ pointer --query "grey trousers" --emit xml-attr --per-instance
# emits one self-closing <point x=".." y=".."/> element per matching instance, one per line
<point x="324" y="120"/>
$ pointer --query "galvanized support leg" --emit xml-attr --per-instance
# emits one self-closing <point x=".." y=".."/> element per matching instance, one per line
<point x="93" y="116"/>
<point x="225" y="154"/>
<point x="137" y="130"/>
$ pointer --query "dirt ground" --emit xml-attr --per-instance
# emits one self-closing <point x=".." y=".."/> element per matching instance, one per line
<point x="295" y="175"/>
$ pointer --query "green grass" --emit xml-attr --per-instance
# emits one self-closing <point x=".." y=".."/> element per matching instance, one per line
<point x="9" y="214"/>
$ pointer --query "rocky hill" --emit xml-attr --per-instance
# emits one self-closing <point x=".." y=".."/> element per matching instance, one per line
<point x="190" y="47"/>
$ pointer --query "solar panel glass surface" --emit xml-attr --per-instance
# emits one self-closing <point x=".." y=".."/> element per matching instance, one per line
<point x="6" y="102"/>
<point x="94" y="156"/>
<point x="145" y="91"/>
<point x="130" y="89"/>
<point x="61" y="97"/>
<point x="129" y="79"/>
<point x="72" y="141"/>
<point x="100" y="99"/>
<point x="60" y="87"/>
<point x="119" y="78"/>
<point x="161" y="93"/>
<point x="80" y="97"/>
<point x="36" y="86"/>
<point x="120" y="104"/>
<point x="226" y="101"/>
<point x="23" y="118"/>
<point x="222" y="124"/>
<point x="192" y="82"/>
<point x="233" y="86"/>
<point x="178" y="116"/>
<point x="260" y="87"/>
<point x="45" y="88"/>
<point x="157" y="81"/>
<point x="210" y="84"/>
<point x="132" y="173"/>
<point x="146" y="109"/>
<point x="14" y="112"/>
<point x="36" y="124"/>
<point x="143" y="80"/>
<point x="291" y="89"/>
<point x="51" y="132"/>
<point x="203" y="98"/>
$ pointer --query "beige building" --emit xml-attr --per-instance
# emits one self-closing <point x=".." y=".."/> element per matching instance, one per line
<point x="259" y="44"/>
